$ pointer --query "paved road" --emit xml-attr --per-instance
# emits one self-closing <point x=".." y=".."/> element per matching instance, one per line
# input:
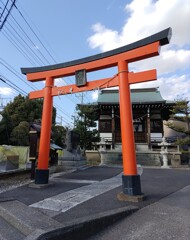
<point x="93" y="191"/>
<point x="167" y="219"/>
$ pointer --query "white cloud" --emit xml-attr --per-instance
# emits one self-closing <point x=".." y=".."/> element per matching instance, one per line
<point x="150" y="16"/>
<point x="36" y="47"/>
<point x="103" y="38"/>
<point x="95" y="95"/>
<point x="170" y="87"/>
<point x="144" y="18"/>
<point x="62" y="81"/>
<point x="59" y="82"/>
<point x="5" y="91"/>
<point x="169" y="61"/>
<point x="174" y="86"/>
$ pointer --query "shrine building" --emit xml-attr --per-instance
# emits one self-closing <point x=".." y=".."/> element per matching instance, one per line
<point x="149" y="110"/>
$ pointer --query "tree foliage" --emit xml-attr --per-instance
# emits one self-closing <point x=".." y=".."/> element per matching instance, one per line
<point x="59" y="135"/>
<point x="19" y="135"/>
<point x="17" y="116"/>
<point x="85" y="125"/>
<point x="181" y="112"/>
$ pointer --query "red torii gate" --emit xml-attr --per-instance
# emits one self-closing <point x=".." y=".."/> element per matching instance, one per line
<point x="120" y="57"/>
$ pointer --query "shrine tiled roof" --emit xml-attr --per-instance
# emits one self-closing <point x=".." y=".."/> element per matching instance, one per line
<point x="138" y="96"/>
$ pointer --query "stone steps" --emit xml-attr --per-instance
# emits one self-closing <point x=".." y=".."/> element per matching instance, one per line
<point x="24" y="221"/>
<point x="8" y="231"/>
<point x="69" y="163"/>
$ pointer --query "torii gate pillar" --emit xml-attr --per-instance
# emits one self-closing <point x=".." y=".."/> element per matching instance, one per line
<point x="42" y="172"/>
<point x="121" y="57"/>
<point x="130" y="178"/>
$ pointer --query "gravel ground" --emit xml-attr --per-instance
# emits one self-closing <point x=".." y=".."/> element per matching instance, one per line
<point x="10" y="182"/>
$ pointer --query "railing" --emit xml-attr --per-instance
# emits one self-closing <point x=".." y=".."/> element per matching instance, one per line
<point x="107" y="139"/>
<point x="172" y="139"/>
<point x="139" y="139"/>
<point x="172" y="147"/>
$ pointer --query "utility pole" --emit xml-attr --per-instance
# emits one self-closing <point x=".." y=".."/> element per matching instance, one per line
<point x="81" y="95"/>
<point x="3" y="103"/>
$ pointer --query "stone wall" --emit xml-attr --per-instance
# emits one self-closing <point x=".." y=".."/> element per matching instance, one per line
<point x="149" y="158"/>
<point x="93" y="157"/>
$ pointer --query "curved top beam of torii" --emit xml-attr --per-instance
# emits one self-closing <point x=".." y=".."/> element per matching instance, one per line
<point x="142" y="49"/>
<point x="97" y="62"/>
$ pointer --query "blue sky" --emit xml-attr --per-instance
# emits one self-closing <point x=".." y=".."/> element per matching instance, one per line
<point x="71" y="29"/>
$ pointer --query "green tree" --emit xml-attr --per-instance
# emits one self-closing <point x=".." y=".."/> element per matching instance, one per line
<point x="21" y="109"/>
<point x="181" y="113"/>
<point x="19" y="135"/>
<point x="85" y="125"/>
<point x="59" y="135"/>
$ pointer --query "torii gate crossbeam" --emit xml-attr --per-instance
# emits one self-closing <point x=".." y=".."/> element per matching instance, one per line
<point x="119" y="57"/>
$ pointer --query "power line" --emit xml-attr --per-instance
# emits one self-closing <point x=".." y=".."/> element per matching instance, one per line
<point x="61" y="110"/>
<point x="25" y="51"/>
<point x="9" y="11"/>
<point x="46" y="49"/>
<point x="2" y="102"/>
<point x="16" y="38"/>
<point x="38" y="39"/>
<point x="14" y="43"/>
<point x="33" y="32"/>
<point x="49" y="46"/>
<point x="13" y="71"/>
<point x="4" y="9"/>
<point x="62" y="119"/>
<point x="15" y="86"/>
<point x="21" y="91"/>
<point x="7" y="82"/>
<point x="16" y="35"/>
<point x="20" y="38"/>
<point x="35" y="35"/>
<point x="26" y="35"/>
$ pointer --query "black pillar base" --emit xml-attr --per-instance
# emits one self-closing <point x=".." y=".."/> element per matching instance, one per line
<point x="131" y="185"/>
<point x="33" y="167"/>
<point x="42" y="176"/>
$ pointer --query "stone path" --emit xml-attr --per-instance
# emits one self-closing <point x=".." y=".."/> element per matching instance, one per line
<point x="67" y="200"/>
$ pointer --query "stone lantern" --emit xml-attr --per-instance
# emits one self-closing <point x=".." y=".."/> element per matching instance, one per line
<point x="164" y="152"/>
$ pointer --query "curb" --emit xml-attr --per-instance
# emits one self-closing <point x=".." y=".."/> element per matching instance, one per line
<point x="13" y="173"/>
<point x="85" y="227"/>
<point x="24" y="228"/>
<point x="25" y="219"/>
